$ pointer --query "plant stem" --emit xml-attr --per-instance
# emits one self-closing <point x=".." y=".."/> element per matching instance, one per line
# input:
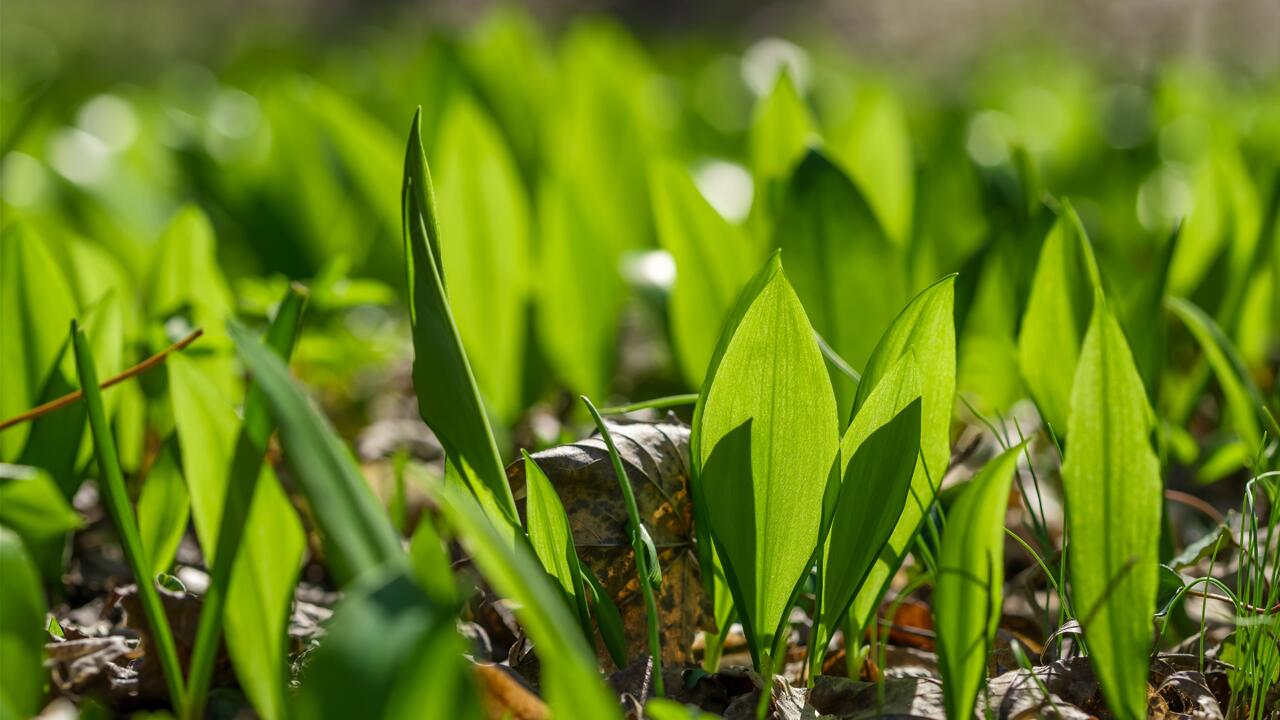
<point x="251" y="447"/>
<point x="642" y="560"/>
<point x="116" y="498"/>
<point x="65" y="400"/>
<point x="654" y="404"/>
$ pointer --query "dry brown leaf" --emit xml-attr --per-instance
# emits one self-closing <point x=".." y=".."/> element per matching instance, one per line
<point x="656" y="456"/>
<point x="505" y="696"/>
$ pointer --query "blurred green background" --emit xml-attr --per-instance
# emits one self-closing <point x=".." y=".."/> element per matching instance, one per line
<point x="195" y="156"/>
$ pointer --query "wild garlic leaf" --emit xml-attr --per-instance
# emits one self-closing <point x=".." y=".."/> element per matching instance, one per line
<point x="1057" y="316"/>
<point x="847" y="272"/>
<point x="358" y="535"/>
<point x="714" y="260"/>
<point x="781" y="129"/>
<point x="270" y="556"/>
<point x="448" y="398"/>
<point x="1246" y="404"/>
<point x="579" y="291"/>
<point x="483" y="212"/>
<point x="22" y="637"/>
<point x="970" y="582"/>
<point x="572" y="684"/>
<point x="766" y="441"/>
<point x="926" y="330"/>
<point x="878" y="457"/>
<point x="1113" y="488"/>
<point x="430" y="563"/>
<point x="163" y="508"/>
<point x="552" y="540"/>
<point x="875" y="147"/>
<point x="32" y="505"/>
<point x="36" y="303"/>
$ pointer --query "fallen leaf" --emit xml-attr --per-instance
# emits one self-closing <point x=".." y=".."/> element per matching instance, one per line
<point x="657" y="460"/>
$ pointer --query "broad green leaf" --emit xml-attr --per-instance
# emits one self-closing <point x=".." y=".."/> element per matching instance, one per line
<point x="569" y="677"/>
<point x="115" y="497"/>
<point x="579" y="291"/>
<point x="1111" y="478"/>
<point x="22" y="634"/>
<point x="848" y="274"/>
<point x="552" y="540"/>
<point x="970" y="582"/>
<point x="448" y="398"/>
<point x="781" y="129"/>
<point x="714" y="260"/>
<point x="36" y="303"/>
<point x="878" y="456"/>
<point x="163" y="509"/>
<point x="358" y="536"/>
<point x="1057" y="316"/>
<point x="1244" y="401"/>
<point x="32" y="506"/>
<point x="767" y="441"/>
<point x="925" y="329"/>
<point x="875" y="148"/>
<point x="483" y="213"/>
<point x="385" y="633"/>
<point x="267" y="564"/>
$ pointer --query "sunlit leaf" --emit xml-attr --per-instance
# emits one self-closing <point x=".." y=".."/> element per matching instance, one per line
<point x="163" y="509"/>
<point x="447" y="395"/>
<point x="969" y="590"/>
<point x="32" y="506"/>
<point x="926" y="330"/>
<point x="875" y="147"/>
<point x="781" y="129"/>
<point x="714" y="260"/>
<point x="766" y="441"/>
<point x="483" y="213"/>
<point x="1113" y="490"/>
<point x="848" y="274"/>
<point x="552" y="540"/>
<point x="1057" y="316"/>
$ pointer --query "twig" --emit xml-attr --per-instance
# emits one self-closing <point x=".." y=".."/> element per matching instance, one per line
<point x="70" y="398"/>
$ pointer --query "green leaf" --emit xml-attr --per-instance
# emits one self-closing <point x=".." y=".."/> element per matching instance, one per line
<point x="484" y="215"/>
<point x="766" y="442"/>
<point x="116" y="499"/>
<point x="1057" y="316"/>
<point x="875" y="147"/>
<point x="358" y="536"/>
<point x="1111" y="478"/>
<point x="1244" y="401"/>
<point x="926" y="330"/>
<point x="878" y="456"/>
<point x="608" y="619"/>
<point x="579" y="292"/>
<point x="448" y="398"/>
<point x="35" y="305"/>
<point x="970" y="582"/>
<point x="847" y="272"/>
<point x="570" y="679"/>
<point x="714" y="260"/>
<point x="1144" y="322"/>
<point x="552" y="540"/>
<point x="384" y="635"/>
<point x="781" y="129"/>
<point x="22" y="636"/>
<point x="163" y="508"/>
<point x="267" y="562"/>
<point x="430" y="565"/>
<point x="32" y="506"/>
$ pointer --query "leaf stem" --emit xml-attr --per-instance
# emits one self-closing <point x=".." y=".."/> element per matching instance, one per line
<point x="643" y="574"/>
<point x="65" y="400"/>
<point x="116" y="498"/>
<point x="654" y="404"/>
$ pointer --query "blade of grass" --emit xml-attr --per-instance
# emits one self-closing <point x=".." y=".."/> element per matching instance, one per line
<point x="645" y="567"/>
<point x="250" y="449"/>
<point x="116" y="497"/>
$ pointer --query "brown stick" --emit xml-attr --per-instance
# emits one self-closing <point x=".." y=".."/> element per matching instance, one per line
<point x="69" y="398"/>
